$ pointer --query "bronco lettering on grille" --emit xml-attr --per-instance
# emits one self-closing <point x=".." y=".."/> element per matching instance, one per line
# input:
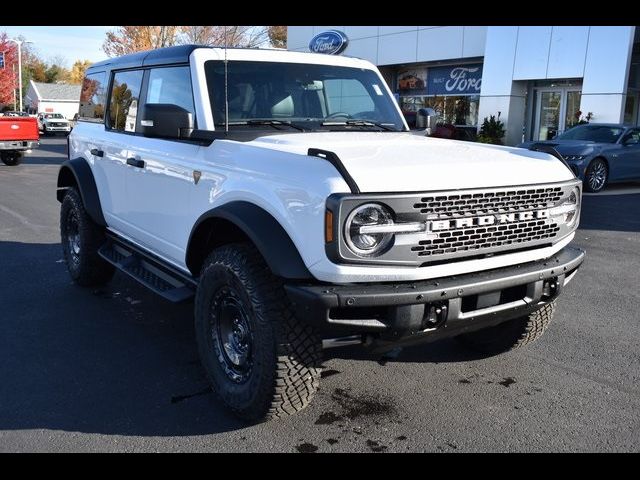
<point x="438" y="225"/>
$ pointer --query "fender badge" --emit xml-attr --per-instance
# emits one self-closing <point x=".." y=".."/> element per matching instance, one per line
<point x="196" y="176"/>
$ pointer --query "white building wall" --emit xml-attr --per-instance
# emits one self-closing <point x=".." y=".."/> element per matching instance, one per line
<point x="68" y="109"/>
<point x="513" y="55"/>
<point x="389" y="45"/>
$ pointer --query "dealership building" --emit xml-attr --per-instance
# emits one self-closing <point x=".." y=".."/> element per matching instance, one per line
<point x="540" y="80"/>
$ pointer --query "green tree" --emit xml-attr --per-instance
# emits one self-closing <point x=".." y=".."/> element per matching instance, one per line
<point x="492" y="130"/>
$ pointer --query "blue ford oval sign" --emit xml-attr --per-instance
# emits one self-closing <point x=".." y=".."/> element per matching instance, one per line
<point x="331" y="42"/>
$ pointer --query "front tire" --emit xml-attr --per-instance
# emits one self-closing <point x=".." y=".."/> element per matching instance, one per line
<point x="12" y="159"/>
<point x="81" y="238"/>
<point x="596" y="176"/>
<point x="511" y="334"/>
<point x="261" y="361"/>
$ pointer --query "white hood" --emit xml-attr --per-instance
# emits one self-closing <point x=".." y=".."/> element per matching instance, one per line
<point x="406" y="162"/>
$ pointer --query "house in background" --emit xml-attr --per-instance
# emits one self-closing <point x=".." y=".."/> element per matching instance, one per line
<point x="53" y="98"/>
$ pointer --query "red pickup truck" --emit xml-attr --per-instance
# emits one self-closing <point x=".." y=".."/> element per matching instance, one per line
<point x="17" y="134"/>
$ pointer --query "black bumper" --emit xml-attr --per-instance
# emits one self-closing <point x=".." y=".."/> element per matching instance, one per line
<point x="448" y="305"/>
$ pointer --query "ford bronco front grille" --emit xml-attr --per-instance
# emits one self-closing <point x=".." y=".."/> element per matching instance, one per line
<point x="446" y="206"/>
<point x="461" y="224"/>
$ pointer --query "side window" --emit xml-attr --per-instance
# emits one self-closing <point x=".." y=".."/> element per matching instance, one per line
<point x="123" y="105"/>
<point x="171" y="85"/>
<point x="633" y="137"/>
<point x="347" y="96"/>
<point x="92" y="98"/>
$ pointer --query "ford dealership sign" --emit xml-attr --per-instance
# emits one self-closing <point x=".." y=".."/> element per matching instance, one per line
<point x="331" y="42"/>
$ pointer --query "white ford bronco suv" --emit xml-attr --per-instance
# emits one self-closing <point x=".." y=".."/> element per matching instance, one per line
<point x="285" y="193"/>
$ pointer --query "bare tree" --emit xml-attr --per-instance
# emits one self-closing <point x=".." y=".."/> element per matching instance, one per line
<point x="129" y="39"/>
<point x="219" y="35"/>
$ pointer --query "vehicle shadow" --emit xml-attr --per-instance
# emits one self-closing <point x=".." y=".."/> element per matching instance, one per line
<point x="112" y="360"/>
<point x="446" y="350"/>
<point x="616" y="211"/>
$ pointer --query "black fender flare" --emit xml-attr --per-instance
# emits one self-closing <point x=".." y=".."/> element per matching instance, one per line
<point x="266" y="233"/>
<point x="78" y="169"/>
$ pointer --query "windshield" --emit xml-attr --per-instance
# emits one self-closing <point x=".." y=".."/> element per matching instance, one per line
<point x="305" y="95"/>
<point x="54" y="115"/>
<point x="593" y="133"/>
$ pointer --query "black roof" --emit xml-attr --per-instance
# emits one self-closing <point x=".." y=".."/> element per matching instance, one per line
<point x="160" y="56"/>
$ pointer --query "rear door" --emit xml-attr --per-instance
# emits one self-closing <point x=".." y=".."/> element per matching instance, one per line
<point x="160" y="174"/>
<point x="114" y="148"/>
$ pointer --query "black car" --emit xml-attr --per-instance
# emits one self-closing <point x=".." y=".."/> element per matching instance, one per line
<point x="599" y="153"/>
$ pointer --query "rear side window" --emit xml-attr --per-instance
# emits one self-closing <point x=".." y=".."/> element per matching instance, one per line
<point x="171" y="85"/>
<point x="123" y="105"/>
<point x="92" y="98"/>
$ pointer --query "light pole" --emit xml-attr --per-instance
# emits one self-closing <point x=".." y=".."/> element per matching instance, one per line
<point x="19" y="43"/>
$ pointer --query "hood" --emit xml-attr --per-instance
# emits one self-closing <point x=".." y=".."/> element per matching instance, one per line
<point x="407" y="162"/>
<point x="571" y="147"/>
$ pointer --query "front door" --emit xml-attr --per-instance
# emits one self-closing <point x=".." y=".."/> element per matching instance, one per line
<point x="557" y="109"/>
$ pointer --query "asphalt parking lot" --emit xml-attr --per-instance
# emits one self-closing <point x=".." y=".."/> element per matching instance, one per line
<point x="116" y="369"/>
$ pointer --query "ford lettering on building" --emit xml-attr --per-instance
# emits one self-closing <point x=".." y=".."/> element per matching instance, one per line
<point x="298" y="215"/>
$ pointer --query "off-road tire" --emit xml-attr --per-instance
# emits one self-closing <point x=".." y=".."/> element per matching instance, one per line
<point x="86" y="267"/>
<point x="509" y="335"/>
<point x="12" y="159"/>
<point x="285" y="354"/>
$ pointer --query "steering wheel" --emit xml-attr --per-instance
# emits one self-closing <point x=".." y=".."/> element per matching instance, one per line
<point x="338" y="114"/>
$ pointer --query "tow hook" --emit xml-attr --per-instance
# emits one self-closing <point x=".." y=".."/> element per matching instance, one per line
<point x="435" y="316"/>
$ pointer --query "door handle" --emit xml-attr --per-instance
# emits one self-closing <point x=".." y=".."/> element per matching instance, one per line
<point x="134" y="162"/>
<point x="97" y="153"/>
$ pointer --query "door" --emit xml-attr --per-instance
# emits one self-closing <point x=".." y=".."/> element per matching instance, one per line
<point x="557" y="109"/>
<point x="113" y="149"/>
<point x="160" y="174"/>
<point x="627" y="163"/>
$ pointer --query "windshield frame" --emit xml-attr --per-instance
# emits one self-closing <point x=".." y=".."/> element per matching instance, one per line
<point x="384" y="103"/>
<point x="592" y="126"/>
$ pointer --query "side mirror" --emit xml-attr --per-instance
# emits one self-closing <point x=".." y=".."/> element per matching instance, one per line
<point x="165" y="120"/>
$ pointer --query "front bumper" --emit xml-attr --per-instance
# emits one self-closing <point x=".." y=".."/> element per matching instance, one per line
<point x="19" y="144"/>
<point x="439" y="307"/>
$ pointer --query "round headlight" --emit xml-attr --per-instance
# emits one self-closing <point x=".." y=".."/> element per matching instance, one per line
<point x="368" y="244"/>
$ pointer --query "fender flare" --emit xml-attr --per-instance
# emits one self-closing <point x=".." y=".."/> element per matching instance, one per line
<point x="83" y="176"/>
<point x="266" y="233"/>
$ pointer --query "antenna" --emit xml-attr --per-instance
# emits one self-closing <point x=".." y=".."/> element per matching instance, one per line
<point x="226" y="85"/>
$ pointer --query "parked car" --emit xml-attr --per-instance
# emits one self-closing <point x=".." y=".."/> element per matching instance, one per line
<point x="296" y="223"/>
<point x="13" y="113"/>
<point x="53" y="123"/>
<point x="599" y="153"/>
<point x="18" y="134"/>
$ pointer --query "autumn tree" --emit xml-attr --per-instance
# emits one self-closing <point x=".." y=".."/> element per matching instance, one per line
<point x="8" y="74"/>
<point x="130" y="39"/>
<point x="277" y="35"/>
<point x="77" y="71"/>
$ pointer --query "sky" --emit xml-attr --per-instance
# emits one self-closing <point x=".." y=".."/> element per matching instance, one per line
<point x="70" y="43"/>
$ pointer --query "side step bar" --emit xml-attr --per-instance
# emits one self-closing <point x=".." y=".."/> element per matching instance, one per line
<point x="150" y="272"/>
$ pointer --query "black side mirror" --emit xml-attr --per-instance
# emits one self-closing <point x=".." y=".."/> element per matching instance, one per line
<point x="165" y="120"/>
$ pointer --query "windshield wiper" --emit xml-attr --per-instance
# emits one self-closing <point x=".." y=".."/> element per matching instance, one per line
<point x="360" y="123"/>
<point x="277" y="124"/>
